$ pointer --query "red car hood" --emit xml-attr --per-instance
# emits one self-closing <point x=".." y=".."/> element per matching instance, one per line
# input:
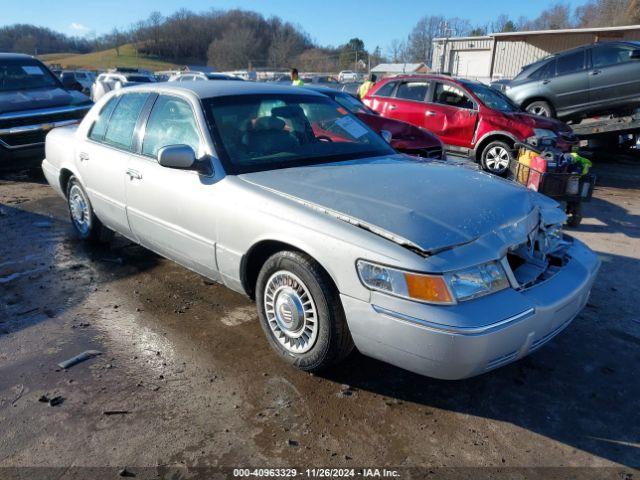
<point x="406" y="137"/>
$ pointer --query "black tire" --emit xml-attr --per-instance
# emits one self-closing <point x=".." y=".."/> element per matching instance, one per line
<point x="489" y="164"/>
<point x="541" y="108"/>
<point x="90" y="228"/>
<point x="333" y="341"/>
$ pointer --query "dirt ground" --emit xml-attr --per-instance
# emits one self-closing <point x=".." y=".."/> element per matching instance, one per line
<point x="193" y="383"/>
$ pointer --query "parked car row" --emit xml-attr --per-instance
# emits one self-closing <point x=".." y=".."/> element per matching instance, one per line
<point x="288" y="197"/>
<point x="33" y="101"/>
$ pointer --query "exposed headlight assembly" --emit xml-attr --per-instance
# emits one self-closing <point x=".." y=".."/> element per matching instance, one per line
<point x="443" y="289"/>
<point x="544" y="133"/>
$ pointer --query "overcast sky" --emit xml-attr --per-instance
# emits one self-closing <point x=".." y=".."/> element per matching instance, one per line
<point x="329" y="22"/>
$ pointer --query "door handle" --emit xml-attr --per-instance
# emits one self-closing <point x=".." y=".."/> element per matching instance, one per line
<point x="544" y="82"/>
<point x="595" y="72"/>
<point x="83" y="157"/>
<point x="430" y="113"/>
<point x="392" y="107"/>
<point x="134" y="174"/>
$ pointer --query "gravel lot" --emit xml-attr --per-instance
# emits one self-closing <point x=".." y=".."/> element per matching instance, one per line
<point x="194" y="384"/>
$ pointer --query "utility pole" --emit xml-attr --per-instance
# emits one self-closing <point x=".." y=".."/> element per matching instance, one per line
<point x="447" y="32"/>
<point x="356" y="69"/>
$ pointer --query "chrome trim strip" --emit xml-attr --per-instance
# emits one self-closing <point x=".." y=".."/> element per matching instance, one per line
<point x="452" y="329"/>
<point x="44" y="111"/>
<point x="37" y="127"/>
<point x="30" y="128"/>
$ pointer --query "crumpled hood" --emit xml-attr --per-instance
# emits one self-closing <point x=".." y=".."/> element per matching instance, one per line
<point x="536" y="121"/>
<point x="431" y="205"/>
<point x="18" y="100"/>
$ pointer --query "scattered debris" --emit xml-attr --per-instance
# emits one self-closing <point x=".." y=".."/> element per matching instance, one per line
<point x="116" y="412"/>
<point x="126" y="473"/>
<point x="53" y="401"/>
<point x="292" y="443"/>
<point x="27" y="312"/>
<point x="86" y="355"/>
<point x="19" y="396"/>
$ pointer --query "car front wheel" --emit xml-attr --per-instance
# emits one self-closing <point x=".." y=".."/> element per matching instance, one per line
<point x="85" y="223"/>
<point x="496" y="157"/>
<point x="301" y="313"/>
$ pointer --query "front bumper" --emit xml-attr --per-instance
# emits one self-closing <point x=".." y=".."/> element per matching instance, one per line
<point x="21" y="158"/>
<point x="460" y="341"/>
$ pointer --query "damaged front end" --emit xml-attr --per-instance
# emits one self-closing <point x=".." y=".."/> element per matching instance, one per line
<point x="538" y="258"/>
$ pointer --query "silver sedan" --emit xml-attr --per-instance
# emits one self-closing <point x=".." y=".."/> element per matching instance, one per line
<point x="283" y="195"/>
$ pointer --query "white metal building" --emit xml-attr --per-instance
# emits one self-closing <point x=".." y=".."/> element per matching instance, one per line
<point x="502" y="55"/>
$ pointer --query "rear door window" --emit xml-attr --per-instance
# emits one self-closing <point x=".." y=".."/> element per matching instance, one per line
<point x="385" y="90"/>
<point x="416" y="91"/>
<point x="123" y="120"/>
<point x="570" y="63"/>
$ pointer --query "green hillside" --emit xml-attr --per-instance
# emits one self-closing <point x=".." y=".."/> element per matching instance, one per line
<point x="108" y="59"/>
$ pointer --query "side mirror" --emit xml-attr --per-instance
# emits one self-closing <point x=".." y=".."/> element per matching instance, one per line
<point x="635" y="54"/>
<point x="386" y="135"/>
<point x="177" y="156"/>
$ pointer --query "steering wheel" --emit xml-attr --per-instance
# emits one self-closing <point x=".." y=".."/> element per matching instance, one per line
<point x="324" y="138"/>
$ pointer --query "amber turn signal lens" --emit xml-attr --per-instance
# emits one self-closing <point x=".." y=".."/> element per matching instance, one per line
<point x="428" y="288"/>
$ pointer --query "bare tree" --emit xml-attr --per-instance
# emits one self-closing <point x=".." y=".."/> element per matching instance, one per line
<point x="420" y="41"/>
<point x="398" y="51"/>
<point x="556" y="17"/>
<point x="236" y="49"/>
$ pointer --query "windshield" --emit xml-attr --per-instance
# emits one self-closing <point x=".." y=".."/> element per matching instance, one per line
<point x="492" y="98"/>
<point x="352" y="104"/>
<point x="24" y="75"/>
<point x="265" y="132"/>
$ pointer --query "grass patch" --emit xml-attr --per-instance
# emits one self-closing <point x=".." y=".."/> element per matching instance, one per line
<point x="106" y="59"/>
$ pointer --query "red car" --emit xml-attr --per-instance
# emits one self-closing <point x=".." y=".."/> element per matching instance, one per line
<point x="405" y="138"/>
<point x="470" y="117"/>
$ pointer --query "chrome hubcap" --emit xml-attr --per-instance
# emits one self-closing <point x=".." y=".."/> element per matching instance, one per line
<point x="497" y="159"/>
<point x="291" y="312"/>
<point x="538" y="110"/>
<point x="79" y="208"/>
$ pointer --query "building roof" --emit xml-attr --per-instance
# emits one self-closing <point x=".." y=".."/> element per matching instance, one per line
<point x="397" y="67"/>
<point x="523" y="33"/>
<point x="567" y="31"/>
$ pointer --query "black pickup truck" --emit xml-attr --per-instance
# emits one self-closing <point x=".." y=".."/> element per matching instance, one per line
<point x="32" y="102"/>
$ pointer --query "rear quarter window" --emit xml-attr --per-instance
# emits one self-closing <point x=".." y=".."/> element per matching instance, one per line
<point x="100" y="125"/>
<point x="385" y="90"/>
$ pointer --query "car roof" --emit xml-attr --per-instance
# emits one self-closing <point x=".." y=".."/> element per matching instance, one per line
<point x="221" y="88"/>
<point x="423" y="76"/>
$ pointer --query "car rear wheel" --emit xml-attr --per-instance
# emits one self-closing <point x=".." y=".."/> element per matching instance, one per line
<point x="85" y="223"/>
<point x="496" y="157"/>
<point x="301" y="313"/>
<point x="540" y="108"/>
